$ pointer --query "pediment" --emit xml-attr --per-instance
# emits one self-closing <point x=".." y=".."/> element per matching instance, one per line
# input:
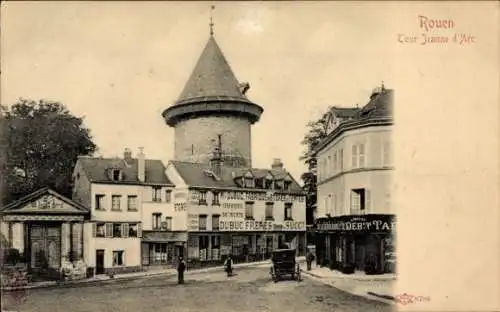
<point x="249" y="174"/>
<point x="45" y="201"/>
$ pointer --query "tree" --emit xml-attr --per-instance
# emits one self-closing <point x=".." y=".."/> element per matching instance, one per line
<point x="317" y="131"/>
<point x="42" y="141"/>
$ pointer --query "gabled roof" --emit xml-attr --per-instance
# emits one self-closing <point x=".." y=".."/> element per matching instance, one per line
<point x="96" y="170"/>
<point x="21" y="205"/>
<point x="193" y="175"/>
<point x="212" y="79"/>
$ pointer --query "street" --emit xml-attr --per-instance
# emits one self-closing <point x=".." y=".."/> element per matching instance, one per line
<point x="251" y="289"/>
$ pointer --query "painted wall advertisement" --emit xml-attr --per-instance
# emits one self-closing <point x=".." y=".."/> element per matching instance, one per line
<point x="193" y="222"/>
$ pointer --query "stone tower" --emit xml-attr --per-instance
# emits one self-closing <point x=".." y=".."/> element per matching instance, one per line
<point x="212" y="107"/>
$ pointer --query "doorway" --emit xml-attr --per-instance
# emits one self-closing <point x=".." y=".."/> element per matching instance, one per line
<point x="99" y="261"/>
<point x="45" y="249"/>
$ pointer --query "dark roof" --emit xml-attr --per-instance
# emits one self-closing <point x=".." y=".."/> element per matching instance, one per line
<point x="212" y="79"/>
<point x="380" y="105"/>
<point x="194" y="174"/>
<point x="377" y="112"/>
<point x="344" y="112"/>
<point x="96" y="170"/>
<point x="11" y="207"/>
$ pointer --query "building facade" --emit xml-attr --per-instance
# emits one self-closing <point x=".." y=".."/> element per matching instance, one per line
<point x="355" y="217"/>
<point x="48" y="231"/>
<point x="129" y="202"/>
<point x="243" y="212"/>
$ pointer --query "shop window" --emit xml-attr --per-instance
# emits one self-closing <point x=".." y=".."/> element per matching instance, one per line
<point x="100" y="230"/>
<point x="115" y="202"/>
<point x="269" y="211"/>
<point x="168" y="196"/>
<point x="132" y="203"/>
<point x="215" y="198"/>
<point x="117" y="230"/>
<point x="202" y="223"/>
<point x="203" y="198"/>
<point x="215" y="242"/>
<point x="288" y="211"/>
<point x="132" y="230"/>
<point x="156" y="221"/>
<point x="215" y="222"/>
<point x="99" y="202"/>
<point x="249" y="210"/>
<point x="118" y="257"/>
<point x="156" y="194"/>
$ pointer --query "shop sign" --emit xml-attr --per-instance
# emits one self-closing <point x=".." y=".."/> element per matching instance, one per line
<point x="180" y="207"/>
<point x="369" y="223"/>
<point x="193" y="222"/>
<point x="247" y="225"/>
<point x="294" y="226"/>
<point x="254" y="196"/>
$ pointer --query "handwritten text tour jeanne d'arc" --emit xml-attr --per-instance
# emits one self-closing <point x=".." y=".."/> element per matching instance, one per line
<point x="251" y="196"/>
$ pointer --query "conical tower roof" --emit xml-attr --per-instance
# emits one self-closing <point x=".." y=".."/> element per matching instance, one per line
<point x="212" y="79"/>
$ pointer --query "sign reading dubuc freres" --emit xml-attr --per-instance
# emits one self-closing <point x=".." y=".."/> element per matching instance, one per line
<point x="366" y="223"/>
<point x="252" y="225"/>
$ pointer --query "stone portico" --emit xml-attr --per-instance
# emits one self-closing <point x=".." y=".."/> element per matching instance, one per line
<point x="47" y="230"/>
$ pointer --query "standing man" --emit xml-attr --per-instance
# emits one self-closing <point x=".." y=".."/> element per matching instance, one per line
<point x="309" y="259"/>
<point x="181" y="267"/>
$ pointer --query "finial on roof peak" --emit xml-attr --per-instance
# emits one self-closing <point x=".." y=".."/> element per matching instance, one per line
<point x="212" y="8"/>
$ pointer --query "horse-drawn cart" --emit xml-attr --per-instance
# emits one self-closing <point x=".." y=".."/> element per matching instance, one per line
<point x="283" y="263"/>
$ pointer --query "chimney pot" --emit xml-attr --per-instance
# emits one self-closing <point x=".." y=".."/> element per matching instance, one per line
<point x="277" y="164"/>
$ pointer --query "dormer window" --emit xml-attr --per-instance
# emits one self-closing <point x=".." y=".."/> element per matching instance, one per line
<point x="287" y="185"/>
<point x="278" y="184"/>
<point x="249" y="182"/>
<point x="116" y="174"/>
<point x="259" y="183"/>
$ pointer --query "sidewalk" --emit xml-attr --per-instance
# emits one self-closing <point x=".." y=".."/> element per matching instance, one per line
<point x="105" y="279"/>
<point x="374" y="287"/>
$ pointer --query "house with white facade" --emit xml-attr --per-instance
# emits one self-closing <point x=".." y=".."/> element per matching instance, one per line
<point x="355" y="217"/>
<point x="128" y="199"/>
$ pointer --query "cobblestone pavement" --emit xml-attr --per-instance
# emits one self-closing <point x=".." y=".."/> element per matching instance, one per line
<point x="249" y="290"/>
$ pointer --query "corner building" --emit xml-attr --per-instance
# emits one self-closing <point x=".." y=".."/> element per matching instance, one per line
<point x="225" y="204"/>
<point x="355" y="217"/>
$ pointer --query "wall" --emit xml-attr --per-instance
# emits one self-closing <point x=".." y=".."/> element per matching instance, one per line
<point x="235" y="131"/>
<point x="228" y="205"/>
<point x="375" y="175"/>
<point x="81" y="187"/>
<point x="116" y="189"/>
<point x="149" y="207"/>
<point x="131" y="246"/>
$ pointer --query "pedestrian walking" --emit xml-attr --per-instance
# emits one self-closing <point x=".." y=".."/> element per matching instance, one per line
<point x="309" y="259"/>
<point x="181" y="267"/>
<point x="228" y="266"/>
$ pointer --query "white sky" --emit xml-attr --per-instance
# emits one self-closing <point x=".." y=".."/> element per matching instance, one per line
<point x="120" y="64"/>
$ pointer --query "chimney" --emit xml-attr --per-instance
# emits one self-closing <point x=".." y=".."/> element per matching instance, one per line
<point x="141" y="166"/>
<point x="277" y="164"/>
<point x="127" y="155"/>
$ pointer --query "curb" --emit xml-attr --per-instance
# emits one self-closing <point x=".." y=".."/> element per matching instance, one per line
<point x="105" y="281"/>
<point x="387" y="297"/>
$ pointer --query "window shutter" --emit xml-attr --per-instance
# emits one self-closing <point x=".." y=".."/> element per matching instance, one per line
<point x="108" y="230"/>
<point x="352" y="201"/>
<point x="125" y="230"/>
<point x="94" y="230"/>
<point x="139" y="230"/>
<point x="367" y="200"/>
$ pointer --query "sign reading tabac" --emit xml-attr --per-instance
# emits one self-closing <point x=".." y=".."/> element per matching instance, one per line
<point x="366" y="223"/>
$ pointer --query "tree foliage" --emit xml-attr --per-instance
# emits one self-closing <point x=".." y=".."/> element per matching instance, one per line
<point x="316" y="132"/>
<point x="42" y="141"/>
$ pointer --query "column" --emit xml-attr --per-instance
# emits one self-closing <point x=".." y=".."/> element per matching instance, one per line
<point x="76" y="240"/>
<point x="80" y="242"/>
<point x="65" y="241"/>
<point x="18" y="236"/>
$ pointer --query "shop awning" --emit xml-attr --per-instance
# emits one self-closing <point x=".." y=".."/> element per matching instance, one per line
<point x="164" y="237"/>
